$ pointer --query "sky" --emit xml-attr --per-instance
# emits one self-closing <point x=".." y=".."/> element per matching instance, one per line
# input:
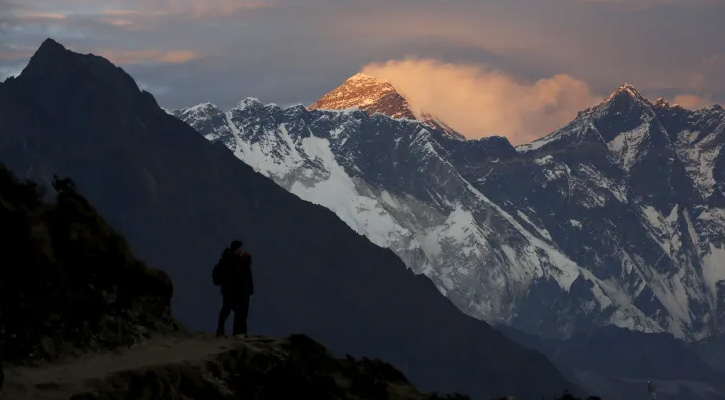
<point x="515" y="68"/>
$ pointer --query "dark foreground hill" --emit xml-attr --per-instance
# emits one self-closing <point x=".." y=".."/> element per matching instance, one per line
<point x="68" y="282"/>
<point x="179" y="199"/>
<point x="83" y="319"/>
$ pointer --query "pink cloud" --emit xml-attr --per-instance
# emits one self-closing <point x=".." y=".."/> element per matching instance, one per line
<point x="481" y="102"/>
<point x="195" y="9"/>
<point x="39" y="16"/>
<point x="131" y="57"/>
<point x="692" y="101"/>
<point x="15" y="55"/>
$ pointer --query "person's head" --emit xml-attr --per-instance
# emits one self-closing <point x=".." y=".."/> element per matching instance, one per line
<point x="236" y="246"/>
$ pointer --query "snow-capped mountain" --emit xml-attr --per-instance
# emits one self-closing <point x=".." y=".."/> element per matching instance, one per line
<point x="369" y="94"/>
<point x="375" y="95"/>
<point x="616" y="219"/>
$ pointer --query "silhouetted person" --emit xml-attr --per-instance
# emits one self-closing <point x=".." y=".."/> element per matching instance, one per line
<point x="235" y="279"/>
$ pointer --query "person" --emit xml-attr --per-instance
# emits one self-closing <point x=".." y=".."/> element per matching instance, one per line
<point x="237" y="287"/>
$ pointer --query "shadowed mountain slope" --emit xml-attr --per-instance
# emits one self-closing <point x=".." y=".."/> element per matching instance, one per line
<point x="179" y="199"/>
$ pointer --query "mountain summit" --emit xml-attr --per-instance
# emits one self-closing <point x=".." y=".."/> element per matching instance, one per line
<point x="374" y="95"/>
<point x="369" y="94"/>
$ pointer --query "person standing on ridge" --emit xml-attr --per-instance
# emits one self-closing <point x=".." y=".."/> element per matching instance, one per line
<point x="233" y="273"/>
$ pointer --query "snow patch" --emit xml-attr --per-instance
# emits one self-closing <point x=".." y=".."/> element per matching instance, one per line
<point x="542" y="231"/>
<point x="339" y="193"/>
<point x="713" y="271"/>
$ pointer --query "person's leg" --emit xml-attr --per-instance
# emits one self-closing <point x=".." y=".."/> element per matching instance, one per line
<point x="223" y="315"/>
<point x="241" y="310"/>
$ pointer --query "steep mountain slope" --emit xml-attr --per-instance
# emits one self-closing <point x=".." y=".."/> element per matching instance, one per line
<point x="180" y="199"/>
<point x="616" y="219"/>
<point x="73" y="291"/>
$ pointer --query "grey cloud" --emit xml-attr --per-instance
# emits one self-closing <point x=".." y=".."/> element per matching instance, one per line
<point x="295" y="51"/>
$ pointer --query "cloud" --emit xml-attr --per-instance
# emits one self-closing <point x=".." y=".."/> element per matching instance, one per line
<point x="41" y="16"/>
<point x="132" y="57"/>
<point x="481" y="102"/>
<point x="195" y="9"/>
<point x="208" y="8"/>
<point x="692" y="101"/>
<point x="290" y="51"/>
<point x="130" y="12"/>
<point x="7" y="72"/>
<point x="11" y="52"/>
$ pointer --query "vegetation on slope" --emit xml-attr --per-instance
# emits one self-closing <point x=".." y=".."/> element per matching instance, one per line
<point x="68" y="281"/>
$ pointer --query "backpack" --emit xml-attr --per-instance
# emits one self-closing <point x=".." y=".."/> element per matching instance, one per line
<point x="216" y="273"/>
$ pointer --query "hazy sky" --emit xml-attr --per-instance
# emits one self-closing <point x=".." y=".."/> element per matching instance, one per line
<point x="518" y="68"/>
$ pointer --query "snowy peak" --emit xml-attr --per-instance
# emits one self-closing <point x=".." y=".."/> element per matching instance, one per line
<point x="361" y="78"/>
<point x="661" y="103"/>
<point x="369" y="94"/>
<point x="624" y="111"/>
<point x="374" y="95"/>
<point x="625" y="101"/>
<point x="626" y="91"/>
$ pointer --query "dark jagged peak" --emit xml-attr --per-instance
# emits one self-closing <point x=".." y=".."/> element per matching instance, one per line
<point x="52" y="56"/>
<point x="50" y="47"/>
<point x="367" y="93"/>
<point x="62" y="75"/>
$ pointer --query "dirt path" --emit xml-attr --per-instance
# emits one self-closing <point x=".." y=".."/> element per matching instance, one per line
<point x="62" y="380"/>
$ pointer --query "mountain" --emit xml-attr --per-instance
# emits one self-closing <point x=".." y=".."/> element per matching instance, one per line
<point x="619" y="362"/>
<point x="179" y="200"/>
<point x="368" y="94"/>
<point x="374" y="95"/>
<point x="615" y="219"/>
<point x="81" y="308"/>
